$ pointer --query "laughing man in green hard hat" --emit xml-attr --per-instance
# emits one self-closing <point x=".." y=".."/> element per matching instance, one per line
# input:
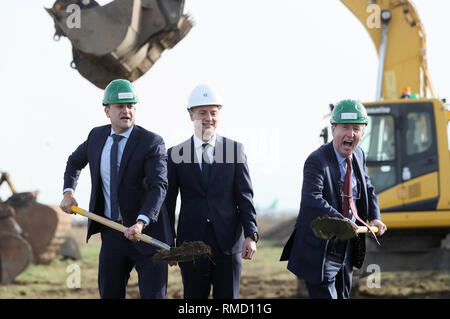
<point x="335" y="184"/>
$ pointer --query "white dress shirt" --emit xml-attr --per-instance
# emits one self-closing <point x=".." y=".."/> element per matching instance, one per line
<point x="199" y="149"/>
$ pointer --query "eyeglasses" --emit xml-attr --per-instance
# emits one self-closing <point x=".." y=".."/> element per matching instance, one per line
<point x="358" y="190"/>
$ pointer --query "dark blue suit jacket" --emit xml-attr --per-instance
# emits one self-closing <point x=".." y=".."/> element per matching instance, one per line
<point x="227" y="201"/>
<point x="142" y="180"/>
<point x="320" y="196"/>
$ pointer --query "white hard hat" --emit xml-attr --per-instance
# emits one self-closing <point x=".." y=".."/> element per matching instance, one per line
<point x="203" y="95"/>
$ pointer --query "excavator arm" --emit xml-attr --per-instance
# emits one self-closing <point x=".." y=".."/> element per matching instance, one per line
<point x="4" y="177"/>
<point x="399" y="38"/>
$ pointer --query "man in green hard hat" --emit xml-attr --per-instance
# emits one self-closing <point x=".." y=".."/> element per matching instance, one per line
<point x="128" y="167"/>
<point x="335" y="184"/>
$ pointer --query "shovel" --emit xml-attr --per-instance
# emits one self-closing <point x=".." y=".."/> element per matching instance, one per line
<point x="188" y="251"/>
<point x="107" y="222"/>
<point x="328" y="227"/>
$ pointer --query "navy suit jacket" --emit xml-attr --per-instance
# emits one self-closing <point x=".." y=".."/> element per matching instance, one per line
<point x="320" y="196"/>
<point x="142" y="181"/>
<point x="227" y="201"/>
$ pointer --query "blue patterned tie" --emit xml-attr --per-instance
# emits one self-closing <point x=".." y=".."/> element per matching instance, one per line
<point x="114" y="177"/>
<point x="206" y="165"/>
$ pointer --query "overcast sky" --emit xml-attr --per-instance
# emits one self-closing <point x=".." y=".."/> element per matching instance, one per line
<point x="277" y="64"/>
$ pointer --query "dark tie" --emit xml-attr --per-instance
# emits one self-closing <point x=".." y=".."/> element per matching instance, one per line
<point x="348" y="191"/>
<point x="206" y="165"/>
<point x="114" y="177"/>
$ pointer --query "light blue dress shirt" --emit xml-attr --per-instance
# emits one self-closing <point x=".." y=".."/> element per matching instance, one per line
<point x="343" y="169"/>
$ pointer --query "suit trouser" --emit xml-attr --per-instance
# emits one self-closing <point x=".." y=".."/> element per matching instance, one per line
<point x="118" y="256"/>
<point x="338" y="272"/>
<point x="223" y="272"/>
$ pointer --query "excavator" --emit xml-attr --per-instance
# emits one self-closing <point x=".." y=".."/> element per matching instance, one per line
<point x="406" y="142"/>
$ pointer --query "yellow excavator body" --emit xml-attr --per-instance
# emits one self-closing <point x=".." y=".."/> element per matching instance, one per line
<point x="413" y="181"/>
<point x="406" y="142"/>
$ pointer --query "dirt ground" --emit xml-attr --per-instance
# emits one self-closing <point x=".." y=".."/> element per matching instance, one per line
<point x="263" y="277"/>
<point x="260" y="279"/>
<point x="411" y="285"/>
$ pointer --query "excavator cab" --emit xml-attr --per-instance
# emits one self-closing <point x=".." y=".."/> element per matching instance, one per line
<point x="406" y="147"/>
<point x="406" y="144"/>
<point x="122" y="39"/>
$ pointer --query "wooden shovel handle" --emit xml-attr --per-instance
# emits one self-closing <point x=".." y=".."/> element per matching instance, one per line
<point x="112" y="224"/>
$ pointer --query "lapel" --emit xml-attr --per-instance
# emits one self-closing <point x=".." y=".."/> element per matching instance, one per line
<point x="99" y="143"/>
<point x="128" y="150"/>
<point x="334" y="170"/>
<point x="359" y="170"/>
<point x="358" y="161"/>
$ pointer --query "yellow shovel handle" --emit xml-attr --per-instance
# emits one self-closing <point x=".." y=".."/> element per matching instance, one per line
<point x="364" y="229"/>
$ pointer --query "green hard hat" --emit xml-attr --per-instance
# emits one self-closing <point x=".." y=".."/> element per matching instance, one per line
<point x="349" y="111"/>
<point x="120" y="91"/>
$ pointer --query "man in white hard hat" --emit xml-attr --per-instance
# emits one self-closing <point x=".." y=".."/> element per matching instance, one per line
<point x="212" y="176"/>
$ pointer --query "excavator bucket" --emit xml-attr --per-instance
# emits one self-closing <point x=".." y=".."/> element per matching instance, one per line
<point x="15" y="252"/>
<point x="30" y="231"/>
<point x="45" y="227"/>
<point x="122" y="39"/>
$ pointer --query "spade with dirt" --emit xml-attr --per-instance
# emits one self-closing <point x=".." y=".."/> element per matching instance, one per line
<point x="327" y="227"/>
<point x="188" y="251"/>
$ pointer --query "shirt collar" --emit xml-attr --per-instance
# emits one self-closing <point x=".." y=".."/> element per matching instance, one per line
<point x="198" y="142"/>
<point x="125" y="134"/>
<point x="340" y="158"/>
